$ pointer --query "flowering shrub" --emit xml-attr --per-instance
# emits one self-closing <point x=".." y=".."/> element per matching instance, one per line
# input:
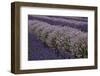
<point x="74" y="22"/>
<point x="61" y="38"/>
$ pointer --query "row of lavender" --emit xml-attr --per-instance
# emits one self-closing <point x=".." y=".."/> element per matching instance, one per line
<point x="74" y="22"/>
<point x="61" y="38"/>
<point x="85" y="19"/>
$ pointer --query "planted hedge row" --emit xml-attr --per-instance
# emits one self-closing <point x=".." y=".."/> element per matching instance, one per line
<point x="64" y="21"/>
<point x="61" y="38"/>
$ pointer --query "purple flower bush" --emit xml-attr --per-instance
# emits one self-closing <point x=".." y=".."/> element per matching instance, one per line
<point x="74" y="22"/>
<point x="61" y="38"/>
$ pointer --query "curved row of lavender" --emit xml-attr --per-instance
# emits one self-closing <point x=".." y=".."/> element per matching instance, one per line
<point x="74" y="22"/>
<point x="61" y="39"/>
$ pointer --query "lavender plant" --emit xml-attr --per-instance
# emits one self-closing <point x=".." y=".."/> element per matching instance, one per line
<point x="74" y="22"/>
<point x="61" y="38"/>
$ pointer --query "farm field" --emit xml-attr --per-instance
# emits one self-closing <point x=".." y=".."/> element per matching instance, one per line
<point x="57" y="37"/>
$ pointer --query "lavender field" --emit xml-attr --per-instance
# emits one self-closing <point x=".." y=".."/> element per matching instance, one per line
<point x="57" y="37"/>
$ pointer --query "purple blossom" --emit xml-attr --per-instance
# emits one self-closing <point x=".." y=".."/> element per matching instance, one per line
<point x="62" y="38"/>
